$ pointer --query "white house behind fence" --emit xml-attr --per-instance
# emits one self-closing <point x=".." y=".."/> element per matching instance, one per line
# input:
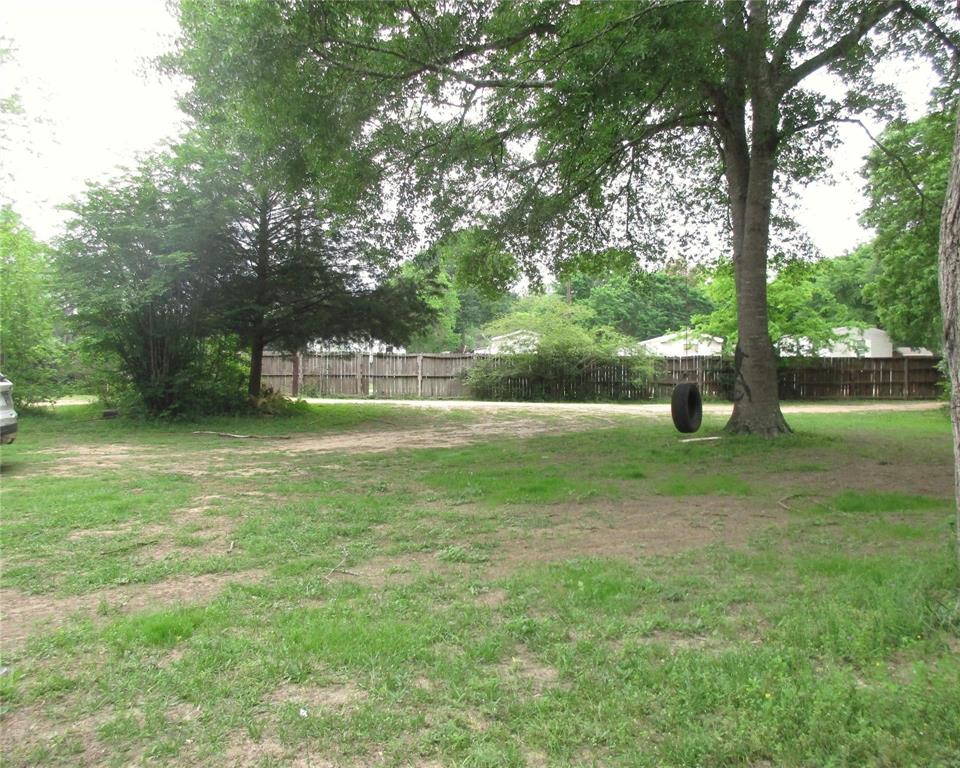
<point x="853" y="342"/>
<point x="513" y="343"/>
<point x="684" y="343"/>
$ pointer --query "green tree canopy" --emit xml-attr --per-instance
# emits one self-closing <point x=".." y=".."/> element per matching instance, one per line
<point x="642" y="304"/>
<point x="803" y="312"/>
<point x="472" y="281"/>
<point x="29" y="313"/>
<point x="845" y="278"/>
<point x="136" y="263"/>
<point x="559" y="324"/>
<point x="203" y="243"/>
<point x="906" y="183"/>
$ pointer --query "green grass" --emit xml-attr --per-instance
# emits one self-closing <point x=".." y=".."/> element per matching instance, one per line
<point x="406" y="608"/>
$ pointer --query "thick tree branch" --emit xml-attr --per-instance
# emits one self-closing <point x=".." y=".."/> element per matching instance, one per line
<point x="441" y="65"/>
<point x="873" y="15"/>
<point x="422" y="67"/>
<point x="789" y="37"/>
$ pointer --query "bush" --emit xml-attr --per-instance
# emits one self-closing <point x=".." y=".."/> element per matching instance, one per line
<point x="561" y="372"/>
<point x="212" y="380"/>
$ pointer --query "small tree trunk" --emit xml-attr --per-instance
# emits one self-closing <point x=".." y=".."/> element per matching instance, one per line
<point x="297" y="374"/>
<point x="256" y="366"/>
<point x="950" y="304"/>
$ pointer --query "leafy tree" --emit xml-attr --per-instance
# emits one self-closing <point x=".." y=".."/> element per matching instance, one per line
<point x="441" y="335"/>
<point x="565" y="126"/>
<point x="292" y="267"/>
<point x="307" y="257"/>
<point x="29" y="313"/>
<point x="802" y="314"/>
<point x="642" y="304"/>
<point x="545" y="314"/>
<point x="136" y="265"/>
<point x="906" y="182"/>
<point x="473" y="279"/>
<point x="197" y="246"/>
<point x="845" y="278"/>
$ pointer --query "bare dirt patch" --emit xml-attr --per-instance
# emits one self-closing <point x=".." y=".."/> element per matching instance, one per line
<point x="22" y="613"/>
<point x="433" y="437"/>
<point x="677" y="642"/>
<point x="315" y="699"/>
<point x="866" y="474"/>
<point x="389" y="570"/>
<point x="156" y="541"/>
<point x="624" y="409"/>
<point x="529" y="672"/>
<point x="26" y="728"/>
<point x="244" y="752"/>
<point x="534" y="758"/>
<point x="85" y="459"/>
<point x="646" y="525"/>
<point x="493" y="598"/>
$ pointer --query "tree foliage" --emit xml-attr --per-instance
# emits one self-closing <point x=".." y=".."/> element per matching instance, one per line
<point x="906" y="183"/>
<point x="642" y="304"/>
<point x="203" y="247"/>
<point x="802" y="311"/>
<point x="845" y="278"/>
<point x="135" y="265"/>
<point x="470" y="281"/>
<point x="29" y="313"/>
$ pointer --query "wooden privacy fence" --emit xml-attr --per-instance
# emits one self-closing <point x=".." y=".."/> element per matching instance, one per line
<point x="436" y="376"/>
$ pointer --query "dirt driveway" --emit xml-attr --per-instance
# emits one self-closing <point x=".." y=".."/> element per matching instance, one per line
<point x="630" y="409"/>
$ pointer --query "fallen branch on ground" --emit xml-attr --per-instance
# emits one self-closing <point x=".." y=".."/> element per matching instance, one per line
<point x="338" y="569"/>
<point x="783" y="502"/>
<point x="241" y="437"/>
<point x="125" y="547"/>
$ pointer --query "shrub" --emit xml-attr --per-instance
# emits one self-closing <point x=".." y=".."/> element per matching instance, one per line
<point x="561" y="371"/>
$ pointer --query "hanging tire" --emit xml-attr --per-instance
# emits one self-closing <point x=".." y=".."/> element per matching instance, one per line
<point x="686" y="407"/>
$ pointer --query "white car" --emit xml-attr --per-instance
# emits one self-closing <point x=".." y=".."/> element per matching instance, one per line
<point x="8" y="416"/>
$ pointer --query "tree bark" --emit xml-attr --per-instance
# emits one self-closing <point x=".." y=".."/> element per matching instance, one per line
<point x="756" y="400"/>
<point x="950" y="305"/>
<point x="256" y="366"/>
<point x="750" y="172"/>
<point x="262" y="267"/>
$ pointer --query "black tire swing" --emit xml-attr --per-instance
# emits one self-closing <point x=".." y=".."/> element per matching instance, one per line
<point x="686" y="407"/>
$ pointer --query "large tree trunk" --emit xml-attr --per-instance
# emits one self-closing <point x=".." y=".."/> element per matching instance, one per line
<point x="950" y="304"/>
<point x="756" y="408"/>
<point x="256" y="366"/>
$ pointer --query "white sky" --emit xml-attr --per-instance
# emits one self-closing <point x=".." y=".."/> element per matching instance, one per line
<point x="91" y="104"/>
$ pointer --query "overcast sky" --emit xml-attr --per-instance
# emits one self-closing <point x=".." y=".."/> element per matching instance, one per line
<point x="91" y="104"/>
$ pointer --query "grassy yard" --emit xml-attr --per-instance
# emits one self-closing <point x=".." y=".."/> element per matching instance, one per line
<point x="370" y="586"/>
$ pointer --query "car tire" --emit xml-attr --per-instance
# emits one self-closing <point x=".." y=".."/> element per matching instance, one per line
<point x="686" y="407"/>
